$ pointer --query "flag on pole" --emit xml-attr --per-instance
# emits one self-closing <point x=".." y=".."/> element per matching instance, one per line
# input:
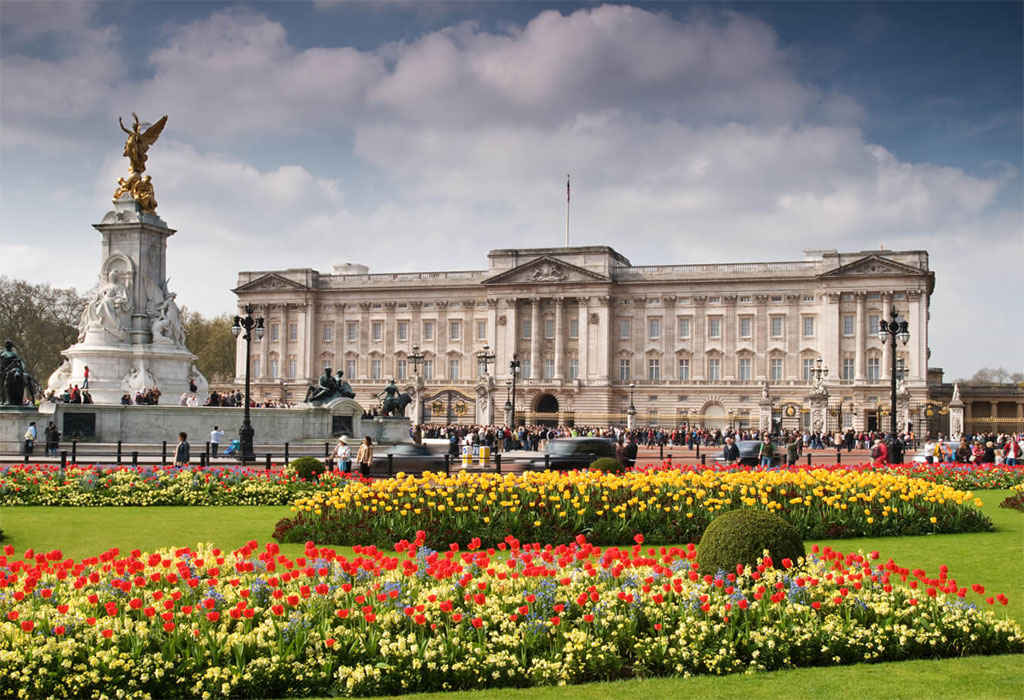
<point x="566" y="188"/>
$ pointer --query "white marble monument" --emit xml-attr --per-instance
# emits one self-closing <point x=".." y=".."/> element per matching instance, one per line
<point x="130" y="334"/>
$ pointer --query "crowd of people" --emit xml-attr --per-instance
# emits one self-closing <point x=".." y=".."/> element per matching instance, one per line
<point x="72" y="394"/>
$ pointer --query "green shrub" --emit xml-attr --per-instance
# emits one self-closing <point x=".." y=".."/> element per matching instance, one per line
<point x="741" y="536"/>
<point x="308" y="468"/>
<point x="607" y="464"/>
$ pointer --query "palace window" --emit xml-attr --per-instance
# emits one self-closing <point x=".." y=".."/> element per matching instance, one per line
<point x="807" y="365"/>
<point x="775" y="369"/>
<point x="574" y="328"/>
<point x="377" y="329"/>
<point x="293" y="331"/>
<point x="401" y="369"/>
<point x="453" y="369"/>
<point x="654" y="328"/>
<point x="746" y="326"/>
<point x="328" y="332"/>
<point x="403" y="331"/>
<point x="549" y="367"/>
<point x="574" y="368"/>
<point x="808" y="326"/>
<point x="428" y="330"/>
<point x="744" y="369"/>
<point x="454" y="330"/>
<point x="350" y="369"/>
<point x="375" y="369"/>
<point x="654" y="369"/>
<point x="549" y="328"/>
<point x="684" y="369"/>
<point x="684" y="328"/>
<point x="624" y="370"/>
<point x="848" y="325"/>
<point x="273" y="369"/>
<point x="874" y="369"/>
<point x="776" y="326"/>
<point x="715" y="327"/>
<point x="256" y="367"/>
<point x="352" y="331"/>
<point x="625" y="328"/>
<point x="428" y="369"/>
<point x="848" y="368"/>
<point x="873" y="321"/>
<point x="714" y="369"/>
<point x="481" y="330"/>
<point x="527" y="329"/>
<point x="275" y="331"/>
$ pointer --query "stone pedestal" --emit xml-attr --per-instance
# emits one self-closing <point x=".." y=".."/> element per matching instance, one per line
<point x="819" y="411"/>
<point x="631" y="418"/>
<point x="414" y="411"/>
<point x="131" y="335"/>
<point x="485" y="400"/>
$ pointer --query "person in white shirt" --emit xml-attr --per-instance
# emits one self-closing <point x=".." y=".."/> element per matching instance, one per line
<point x="341" y="455"/>
<point x="216" y="435"/>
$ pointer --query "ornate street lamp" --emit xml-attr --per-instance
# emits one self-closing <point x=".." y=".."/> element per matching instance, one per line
<point x="514" y="369"/>
<point x="818" y="372"/>
<point x="631" y="413"/>
<point x="508" y="397"/>
<point x="251" y="326"/>
<point x="889" y="331"/>
<point x="484" y="358"/>
<point x="416" y="357"/>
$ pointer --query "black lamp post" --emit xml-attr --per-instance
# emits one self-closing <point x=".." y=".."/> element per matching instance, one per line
<point x="484" y="358"/>
<point x="890" y="331"/>
<point x="513" y="368"/>
<point x="631" y="413"/>
<point x="251" y="326"/>
<point x="416" y="357"/>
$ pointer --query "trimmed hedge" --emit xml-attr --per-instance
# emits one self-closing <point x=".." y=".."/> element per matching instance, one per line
<point x="609" y="465"/>
<point x="741" y="536"/>
<point x="307" y="468"/>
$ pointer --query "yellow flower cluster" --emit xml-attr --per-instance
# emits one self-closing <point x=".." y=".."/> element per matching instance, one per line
<point x="673" y="504"/>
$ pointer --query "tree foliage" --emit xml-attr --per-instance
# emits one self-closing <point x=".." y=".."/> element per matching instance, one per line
<point x="41" y="320"/>
<point x="995" y="375"/>
<point x="213" y="344"/>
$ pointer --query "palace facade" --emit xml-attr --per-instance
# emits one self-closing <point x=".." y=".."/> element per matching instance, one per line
<point x="594" y="334"/>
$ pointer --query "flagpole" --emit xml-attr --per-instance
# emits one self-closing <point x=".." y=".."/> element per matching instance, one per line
<point x="567" y="211"/>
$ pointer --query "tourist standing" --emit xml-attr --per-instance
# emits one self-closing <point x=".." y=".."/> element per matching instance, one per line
<point x="52" y="439"/>
<point x="731" y="452"/>
<point x="181" y="452"/>
<point x="85" y="381"/>
<point x="30" y="438"/>
<point x="341" y="456"/>
<point x="216" y="435"/>
<point x="766" y="451"/>
<point x="365" y="456"/>
<point x="1011" y="451"/>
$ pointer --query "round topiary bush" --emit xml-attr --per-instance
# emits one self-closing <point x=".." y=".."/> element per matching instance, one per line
<point x="307" y="468"/>
<point x="741" y="536"/>
<point x="607" y="464"/>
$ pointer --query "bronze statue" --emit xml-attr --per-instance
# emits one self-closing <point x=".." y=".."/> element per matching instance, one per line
<point x="14" y="380"/>
<point x="328" y="388"/>
<point x="136" y="149"/>
<point x="394" y="403"/>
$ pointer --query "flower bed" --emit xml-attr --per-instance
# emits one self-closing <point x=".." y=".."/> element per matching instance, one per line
<point x="184" y="623"/>
<point x="96" y="485"/>
<point x="957" y="475"/>
<point x="668" y="506"/>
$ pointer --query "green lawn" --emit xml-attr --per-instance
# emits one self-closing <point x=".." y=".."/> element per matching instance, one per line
<point x="991" y="559"/>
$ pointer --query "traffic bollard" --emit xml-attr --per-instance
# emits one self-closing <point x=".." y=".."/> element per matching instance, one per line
<point x="118" y="453"/>
<point x="163" y="453"/>
<point x="63" y="459"/>
<point x="286" y="460"/>
<point x="391" y="465"/>
<point x="135" y="459"/>
<point x="809" y="459"/>
<point x="268" y="461"/>
<point x="447" y="463"/>
<point x="74" y="451"/>
<point x="497" y="463"/>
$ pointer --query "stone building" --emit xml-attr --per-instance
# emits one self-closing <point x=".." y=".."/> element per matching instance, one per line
<point x="686" y="344"/>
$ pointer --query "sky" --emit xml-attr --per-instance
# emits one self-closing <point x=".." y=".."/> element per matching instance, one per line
<point x="420" y="135"/>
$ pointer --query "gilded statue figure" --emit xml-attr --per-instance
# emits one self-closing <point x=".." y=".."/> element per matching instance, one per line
<point x="136" y="149"/>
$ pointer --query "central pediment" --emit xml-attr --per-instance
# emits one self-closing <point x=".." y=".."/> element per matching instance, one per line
<point x="269" y="282"/>
<point x="874" y="265"/>
<point x="546" y="270"/>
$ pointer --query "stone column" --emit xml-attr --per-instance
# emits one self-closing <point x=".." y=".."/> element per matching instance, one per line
<point x="441" y="341"/>
<point x="886" y="361"/>
<point x="698" y="331"/>
<point x="762" y="331"/>
<point x="535" y="335"/>
<point x="764" y="410"/>
<point x="792" y="366"/>
<point x="583" y="342"/>
<point x="668" y="338"/>
<point x="559" y="339"/>
<point x="729" y="337"/>
<point x="861" y="334"/>
<point x="363" y="346"/>
<point x="831" y="333"/>
<point x="265" y="349"/>
<point x="416" y="324"/>
<point x="603" y="371"/>
<point x="310" y="341"/>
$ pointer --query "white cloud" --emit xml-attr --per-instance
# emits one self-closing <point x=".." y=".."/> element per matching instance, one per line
<point x="689" y="141"/>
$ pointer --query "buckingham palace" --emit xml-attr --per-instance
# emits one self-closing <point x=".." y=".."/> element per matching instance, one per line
<point x="599" y="340"/>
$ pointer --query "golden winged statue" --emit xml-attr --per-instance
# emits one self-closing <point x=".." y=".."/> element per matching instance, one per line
<point x="135" y="149"/>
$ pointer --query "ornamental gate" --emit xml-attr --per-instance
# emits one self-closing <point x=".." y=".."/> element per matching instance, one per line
<point x="449" y="406"/>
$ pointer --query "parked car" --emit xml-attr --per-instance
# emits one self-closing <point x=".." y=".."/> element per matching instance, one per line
<point x="922" y="455"/>
<point x="573" y="453"/>
<point x="407" y="456"/>
<point x="749" y="450"/>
